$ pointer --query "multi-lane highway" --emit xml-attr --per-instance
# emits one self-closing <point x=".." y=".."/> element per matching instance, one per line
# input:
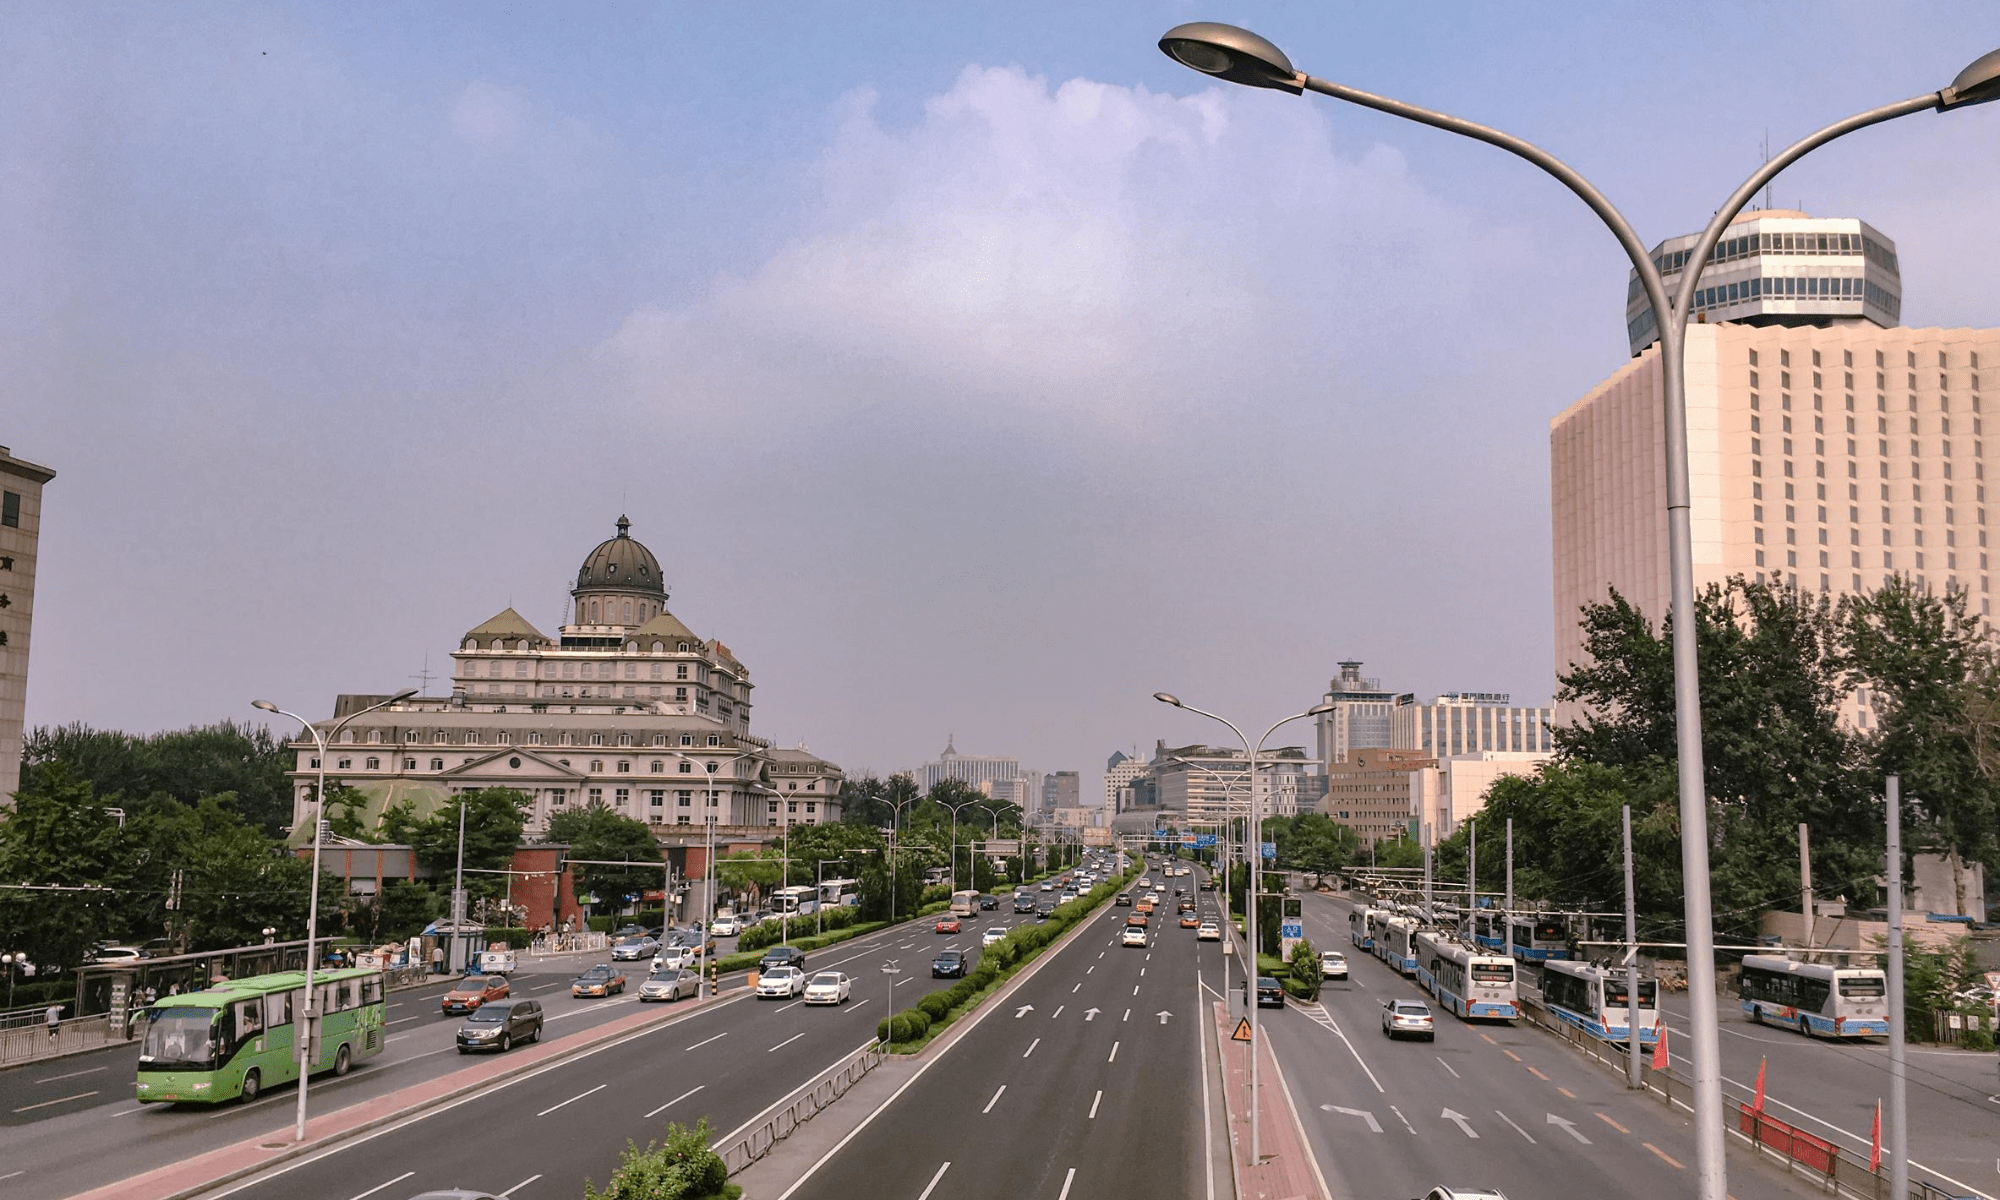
<point x="1087" y="1081"/>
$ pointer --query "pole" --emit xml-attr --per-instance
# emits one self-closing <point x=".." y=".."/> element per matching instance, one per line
<point x="1899" y="1112"/>
<point x="304" y="1029"/>
<point x="1256" y="878"/>
<point x="1424" y="834"/>
<point x="1632" y="1075"/>
<point x="1472" y="867"/>
<point x="1507" y="918"/>
<point x="1805" y="886"/>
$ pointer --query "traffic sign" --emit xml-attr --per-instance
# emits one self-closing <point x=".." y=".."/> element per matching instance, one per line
<point x="1242" y="1033"/>
<point x="1187" y="839"/>
<point x="1270" y="849"/>
<point x="1292" y="931"/>
<point x="1204" y="840"/>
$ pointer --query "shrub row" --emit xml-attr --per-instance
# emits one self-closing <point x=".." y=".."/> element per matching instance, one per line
<point x="770" y="933"/>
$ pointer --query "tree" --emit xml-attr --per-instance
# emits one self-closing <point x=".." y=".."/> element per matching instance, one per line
<point x="183" y="765"/>
<point x="864" y="801"/>
<point x="494" y="818"/>
<point x="66" y="862"/>
<point x="595" y="832"/>
<point x="1306" y="970"/>
<point x="848" y="844"/>
<point x="1311" y="841"/>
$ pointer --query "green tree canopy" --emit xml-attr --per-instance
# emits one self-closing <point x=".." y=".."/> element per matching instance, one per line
<point x="596" y="832"/>
<point x="494" y="818"/>
<point x="185" y="764"/>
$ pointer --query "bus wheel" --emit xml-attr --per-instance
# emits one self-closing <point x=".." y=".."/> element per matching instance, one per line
<point x="252" y="1084"/>
<point x="1805" y="1026"/>
<point x="343" y="1061"/>
<point x="1756" y="1014"/>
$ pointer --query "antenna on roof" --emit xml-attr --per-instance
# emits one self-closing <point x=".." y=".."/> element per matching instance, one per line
<point x="424" y="676"/>
<point x="1767" y="158"/>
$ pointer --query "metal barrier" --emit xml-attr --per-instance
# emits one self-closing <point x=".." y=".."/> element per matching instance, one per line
<point x="569" y="943"/>
<point x="777" y="1123"/>
<point x="1832" y="1166"/>
<point x="77" y="1034"/>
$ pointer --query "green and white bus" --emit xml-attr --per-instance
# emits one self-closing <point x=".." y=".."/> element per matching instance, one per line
<point x="237" y="1038"/>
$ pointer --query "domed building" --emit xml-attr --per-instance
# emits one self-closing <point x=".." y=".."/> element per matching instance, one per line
<point x="625" y="707"/>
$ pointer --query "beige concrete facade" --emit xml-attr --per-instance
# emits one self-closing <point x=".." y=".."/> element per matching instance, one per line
<point x="1455" y="790"/>
<point x="20" y="539"/>
<point x="1831" y="458"/>
<point x="1373" y="792"/>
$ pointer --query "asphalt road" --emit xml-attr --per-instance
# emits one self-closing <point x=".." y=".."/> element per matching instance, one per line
<point x="1086" y="1082"/>
<point x="1485" y="1105"/>
<point x="540" y="1135"/>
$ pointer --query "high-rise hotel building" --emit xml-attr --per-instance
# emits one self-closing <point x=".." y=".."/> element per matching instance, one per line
<point x="1828" y="447"/>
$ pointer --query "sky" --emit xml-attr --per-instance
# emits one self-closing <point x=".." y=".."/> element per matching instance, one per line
<point x="974" y="371"/>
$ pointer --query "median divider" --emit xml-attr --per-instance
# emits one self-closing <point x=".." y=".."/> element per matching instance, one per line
<point x="756" y="1137"/>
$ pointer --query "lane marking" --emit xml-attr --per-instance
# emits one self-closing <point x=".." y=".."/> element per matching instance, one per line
<point x="1092" y="967"/>
<point x="1488" y="1038"/>
<point x="11" y="1174"/>
<point x="1516" y="1128"/>
<point x="1538" y="1074"/>
<point x="1613" y="1124"/>
<point x="1127" y="1016"/>
<point x="1067" y="1180"/>
<point x="378" y="1187"/>
<point x="926" y="1195"/>
<point x="1114" y="1053"/>
<point x="788" y="1041"/>
<point x="1565" y="1091"/>
<point x="669" y="1104"/>
<point x="46" y="1103"/>
<point x="1094" y="1103"/>
<point x="400" y="1020"/>
<point x="1664" y="1156"/>
<point x="1135" y="989"/>
<point x="995" y="1100"/>
<point x="1031" y="1047"/>
<point x="704" y="1042"/>
<point x="517" y="1187"/>
<point x="72" y="1075"/>
<point x="1512" y="1055"/>
<point x="1057" y="1012"/>
<point x="1400" y="1117"/>
<point x="573" y="1099"/>
<point x="1447" y="1066"/>
<point x="1073" y="991"/>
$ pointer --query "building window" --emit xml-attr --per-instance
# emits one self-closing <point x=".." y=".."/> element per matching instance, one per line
<point x="409" y="764"/>
<point x="624" y="767"/>
<point x="683" y="799"/>
<point x="597" y="739"/>
<point x="680" y="693"/>
<point x="687" y="768"/>
<point x="713" y="740"/>
<point x="343" y="764"/>
<point x="687" y="739"/>
<point x="623" y="795"/>
<point x="374" y="764"/>
<point x="10" y="511"/>
<point x="597" y="797"/>
<point x="658" y="799"/>
<point x="658" y="766"/>
<point x="681" y="671"/>
<point x="437" y="764"/>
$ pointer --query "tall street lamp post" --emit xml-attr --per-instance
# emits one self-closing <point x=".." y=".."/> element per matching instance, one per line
<point x="1227" y="815"/>
<point x="896" y="808"/>
<point x="953" y="809"/>
<point x="1254" y="841"/>
<point x="304" y="1029"/>
<point x="1239" y="56"/>
<point x="708" y="900"/>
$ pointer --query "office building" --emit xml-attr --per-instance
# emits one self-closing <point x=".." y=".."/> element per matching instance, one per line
<point x="1454" y="790"/>
<point x="1360" y="718"/>
<point x="1374" y="792"/>
<point x="1828" y="447"/>
<point x="969" y="769"/>
<point x="20" y="536"/>
<point x="1119" y="772"/>
<point x="1458" y="723"/>
<point x="1202" y="784"/>
<point x="1061" y="789"/>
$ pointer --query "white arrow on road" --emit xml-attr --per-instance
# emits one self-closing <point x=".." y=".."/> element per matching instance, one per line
<point x="1023" y="1011"/>
<point x="1458" y="1119"/>
<point x="1374" y="1126"/>
<point x="1163" y="1014"/>
<point x="1568" y="1127"/>
<point x="1090" y="1014"/>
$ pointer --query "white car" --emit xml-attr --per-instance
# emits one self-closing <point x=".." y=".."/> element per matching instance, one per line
<point x="676" y="957"/>
<point x="726" y="926"/>
<point x="1208" y="931"/>
<point x="827" y="987"/>
<point x="993" y="934"/>
<point x="1065" y="897"/>
<point x="1134" y="935"/>
<point x="784" y="982"/>
<point x="1333" y="965"/>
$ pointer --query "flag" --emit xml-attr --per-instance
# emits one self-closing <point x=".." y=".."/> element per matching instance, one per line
<point x="1875" y="1140"/>
<point x="1758" y="1104"/>
<point x="1660" y="1050"/>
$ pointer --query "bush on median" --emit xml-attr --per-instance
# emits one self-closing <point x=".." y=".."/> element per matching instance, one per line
<point x="685" y="1168"/>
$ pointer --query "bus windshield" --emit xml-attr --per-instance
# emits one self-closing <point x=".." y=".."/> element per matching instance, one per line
<point x="1862" y="987"/>
<point x="179" y="1039"/>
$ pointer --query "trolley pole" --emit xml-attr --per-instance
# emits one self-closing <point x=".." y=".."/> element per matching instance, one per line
<point x="1899" y="1111"/>
<point x="1633" y="1078"/>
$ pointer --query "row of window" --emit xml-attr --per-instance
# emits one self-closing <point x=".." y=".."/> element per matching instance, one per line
<point x="534" y="738"/>
<point x="1809" y="287"/>
<point x="1752" y="245"/>
<point x="524" y="669"/>
<point x="1881" y="361"/>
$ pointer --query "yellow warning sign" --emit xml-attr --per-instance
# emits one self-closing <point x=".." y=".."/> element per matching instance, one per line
<point x="1242" y="1033"/>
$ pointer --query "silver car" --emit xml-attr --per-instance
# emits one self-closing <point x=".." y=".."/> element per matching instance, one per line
<point x="673" y="983"/>
<point x="1408" y="1018"/>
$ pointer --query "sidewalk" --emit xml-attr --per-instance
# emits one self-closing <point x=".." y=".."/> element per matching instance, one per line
<point x="1285" y="1170"/>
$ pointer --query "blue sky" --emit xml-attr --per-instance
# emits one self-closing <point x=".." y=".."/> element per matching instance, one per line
<point x="971" y="369"/>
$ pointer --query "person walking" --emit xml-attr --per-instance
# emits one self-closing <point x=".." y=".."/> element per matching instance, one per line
<point x="437" y="960"/>
<point x="55" y="1019"/>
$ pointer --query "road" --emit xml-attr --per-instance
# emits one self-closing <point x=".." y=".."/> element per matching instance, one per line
<point x="1086" y="1081"/>
<point x="1485" y="1105"/>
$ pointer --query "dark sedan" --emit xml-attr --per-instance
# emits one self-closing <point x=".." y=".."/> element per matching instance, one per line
<point x="782" y="956"/>
<point x="498" y="1025"/>
<point x="1270" y="993"/>
<point x="950" y="964"/>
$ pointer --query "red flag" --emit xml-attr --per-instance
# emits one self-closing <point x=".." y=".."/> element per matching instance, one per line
<point x="1875" y="1140"/>
<point x="1757" y="1105"/>
<point x="1660" y="1049"/>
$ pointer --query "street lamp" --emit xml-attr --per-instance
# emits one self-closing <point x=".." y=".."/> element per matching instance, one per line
<point x="302" y="1032"/>
<point x="708" y="885"/>
<point x="953" y="809"/>
<point x="1254" y="843"/>
<point x="1251" y="970"/>
<point x="15" y="962"/>
<point x="1239" y="56"/>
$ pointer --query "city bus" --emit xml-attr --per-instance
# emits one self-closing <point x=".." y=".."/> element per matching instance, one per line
<point x="801" y="901"/>
<point x="1360" y="928"/>
<point x="1540" y="938"/>
<point x="1814" y="998"/>
<point x="965" y="904"/>
<point x="1473" y="985"/>
<point x="1596" y="1000"/>
<point x="1396" y="943"/>
<point x="237" y="1038"/>
<point x="836" y="891"/>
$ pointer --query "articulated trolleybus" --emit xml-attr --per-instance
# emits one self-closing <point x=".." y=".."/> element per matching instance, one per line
<point x="1540" y="938"/>
<point x="1396" y="943"/>
<point x="1361" y="926"/>
<point x="1815" y="998"/>
<point x="1595" y="999"/>
<point x="238" y="1038"/>
<point x="1471" y="984"/>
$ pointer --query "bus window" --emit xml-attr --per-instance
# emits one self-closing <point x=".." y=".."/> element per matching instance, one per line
<point x="249" y="1015"/>
<point x="277" y="1009"/>
<point x="350" y="995"/>
<point x="371" y="990"/>
<point x="179" y="1039"/>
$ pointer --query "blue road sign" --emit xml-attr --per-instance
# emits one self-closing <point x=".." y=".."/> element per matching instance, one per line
<point x="1292" y="930"/>
<point x="1270" y="849"/>
<point x="1204" y="839"/>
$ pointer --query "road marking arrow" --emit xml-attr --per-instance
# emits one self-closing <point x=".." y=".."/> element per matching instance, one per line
<point x="1090" y="1014"/>
<point x="1374" y="1126"/>
<point x="1459" y="1120"/>
<point x="1568" y="1127"/>
<point x="1163" y="1014"/>
<point x="1023" y="1011"/>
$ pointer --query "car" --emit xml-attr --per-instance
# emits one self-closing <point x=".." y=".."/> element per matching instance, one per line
<point x="782" y="956"/>
<point x="1186" y="906"/>
<point x="1064" y="897"/>
<point x="473" y="991"/>
<point x="989" y="903"/>
<point x="1124" y="900"/>
<point x="670" y="983"/>
<point x="949" y="964"/>
<point x="726" y="926"/>
<point x="829" y="987"/>
<point x="600" y="980"/>
<point x="1207" y="885"/>
<point x="1024" y="903"/>
<point x="1451" y="1193"/>
<point x="1333" y="965"/>
<point x="1270" y="993"/>
<point x="628" y="930"/>
<point x="1408" y="1018"/>
<point x="634" y="948"/>
<point x="1134" y="935"/>
<point x="992" y="935"/>
<point x="1145" y="905"/>
<point x="1190" y="921"/>
<point x="1048" y="886"/>
<point x="945" y="925"/>
<point x="1045" y="910"/>
<point x="676" y="957"/>
<point x="1138" y="920"/>
<point x="115" y="954"/>
<point x="1208" y="931"/>
<point x="497" y="1026"/>
<point x="783" y="982"/>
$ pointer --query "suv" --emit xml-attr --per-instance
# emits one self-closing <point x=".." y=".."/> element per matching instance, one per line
<point x="1124" y="900"/>
<point x="782" y="956"/>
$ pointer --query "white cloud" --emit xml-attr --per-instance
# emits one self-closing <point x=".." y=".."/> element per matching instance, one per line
<point x="1094" y="250"/>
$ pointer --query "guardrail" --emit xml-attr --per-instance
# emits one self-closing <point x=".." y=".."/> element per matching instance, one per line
<point x="76" y="1034"/>
<point x="756" y="1140"/>
<point x="1830" y="1165"/>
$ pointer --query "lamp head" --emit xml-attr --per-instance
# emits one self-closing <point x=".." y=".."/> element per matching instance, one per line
<point x="266" y="705"/>
<point x="1168" y="698"/>
<point x="1977" y="84"/>
<point x="1319" y="710"/>
<point x="1230" y="53"/>
<point x="405" y="694"/>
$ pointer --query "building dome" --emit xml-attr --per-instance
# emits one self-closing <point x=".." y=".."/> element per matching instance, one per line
<point x="621" y="564"/>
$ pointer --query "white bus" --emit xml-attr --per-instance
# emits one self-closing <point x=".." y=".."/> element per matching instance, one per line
<point x="1360" y="926"/>
<point x="1471" y="984"/>
<point x="1595" y="999"/>
<point x="1815" y="998"/>
<point x="965" y="904"/>
<point x="801" y="901"/>
<point x="1396" y="943"/>
<point x="838" y="891"/>
<point x="1541" y="938"/>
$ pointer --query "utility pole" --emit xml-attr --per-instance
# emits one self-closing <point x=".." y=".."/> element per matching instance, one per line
<point x="1899" y="1112"/>
<point x="1424" y="832"/>
<point x="458" y="884"/>
<point x="1471" y="868"/>
<point x="1805" y="887"/>
<point x="1507" y="918"/>
<point x="1632" y="1075"/>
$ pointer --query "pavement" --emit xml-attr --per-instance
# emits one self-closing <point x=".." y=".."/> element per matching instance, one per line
<point x="1283" y="1168"/>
